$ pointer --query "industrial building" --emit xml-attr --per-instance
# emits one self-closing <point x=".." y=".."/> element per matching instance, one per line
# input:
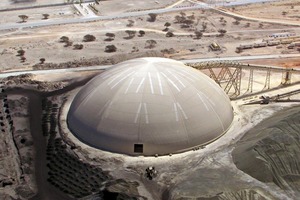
<point x="150" y="106"/>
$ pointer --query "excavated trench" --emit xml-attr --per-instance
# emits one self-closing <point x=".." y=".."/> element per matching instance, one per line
<point x="45" y="190"/>
<point x="59" y="174"/>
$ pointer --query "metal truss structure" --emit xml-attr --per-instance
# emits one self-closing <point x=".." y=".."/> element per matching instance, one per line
<point x="229" y="75"/>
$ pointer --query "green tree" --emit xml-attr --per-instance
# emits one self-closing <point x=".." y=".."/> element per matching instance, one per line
<point x="141" y="33"/>
<point x="64" y="39"/>
<point x="152" y="17"/>
<point x="110" y="48"/>
<point x="42" y="60"/>
<point x="237" y="21"/>
<point x="130" y="33"/>
<point x="130" y="23"/>
<point x="169" y="34"/>
<point x="89" y="38"/>
<point x="150" y="44"/>
<point x="222" y="32"/>
<point x="167" y="24"/>
<point x="23" y="17"/>
<point x="111" y="37"/>
<point x="179" y="19"/>
<point x="23" y="59"/>
<point x="21" y="52"/>
<point x="78" y="46"/>
<point x="198" y="34"/>
<point x="46" y="16"/>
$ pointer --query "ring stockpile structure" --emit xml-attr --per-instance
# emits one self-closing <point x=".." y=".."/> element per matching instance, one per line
<point x="150" y="106"/>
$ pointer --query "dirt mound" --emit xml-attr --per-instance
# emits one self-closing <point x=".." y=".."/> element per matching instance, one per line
<point x="28" y="80"/>
<point x="270" y="152"/>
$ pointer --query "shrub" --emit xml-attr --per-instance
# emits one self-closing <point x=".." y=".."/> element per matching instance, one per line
<point x="46" y="16"/>
<point x="150" y="44"/>
<point x="78" y="46"/>
<point x="169" y="34"/>
<point x="89" y="38"/>
<point x="64" y="39"/>
<point x="21" y="52"/>
<point x="141" y="33"/>
<point x="130" y="33"/>
<point x="42" y="60"/>
<point x="152" y="17"/>
<point x="110" y="48"/>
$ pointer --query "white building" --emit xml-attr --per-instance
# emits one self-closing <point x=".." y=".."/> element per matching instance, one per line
<point x="150" y="106"/>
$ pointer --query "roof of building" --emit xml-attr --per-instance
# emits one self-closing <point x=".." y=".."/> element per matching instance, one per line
<point x="150" y="106"/>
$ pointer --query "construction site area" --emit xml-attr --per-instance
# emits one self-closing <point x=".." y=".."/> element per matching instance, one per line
<point x="142" y="61"/>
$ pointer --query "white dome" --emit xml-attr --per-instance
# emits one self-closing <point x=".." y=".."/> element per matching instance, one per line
<point x="150" y="106"/>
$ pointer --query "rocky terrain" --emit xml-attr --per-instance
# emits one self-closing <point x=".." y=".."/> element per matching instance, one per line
<point x="16" y="146"/>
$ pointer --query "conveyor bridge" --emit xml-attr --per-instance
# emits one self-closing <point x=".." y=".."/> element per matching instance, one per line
<point x="228" y="75"/>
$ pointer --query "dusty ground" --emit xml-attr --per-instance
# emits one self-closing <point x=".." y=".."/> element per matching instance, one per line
<point x="44" y="42"/>
<point x="291" y="62"/>
<point x="287" y="10"/>
<point x="114" y="6"/>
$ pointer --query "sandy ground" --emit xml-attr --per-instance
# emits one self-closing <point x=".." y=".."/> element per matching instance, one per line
<point x="286" y="10"/>
<point x="113" y="7"/>
<point x="69" y="11"/>
<point x="290" y="63"/>
<point x="44" y="42"/>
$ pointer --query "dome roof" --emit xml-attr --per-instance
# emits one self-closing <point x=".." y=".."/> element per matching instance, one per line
<point x="150" y="106"/>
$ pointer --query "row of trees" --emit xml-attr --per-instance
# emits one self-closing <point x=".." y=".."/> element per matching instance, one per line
<point x="25" y="17"/>
<point x="88" y="38"/>
<point x="131" y="34"/>
<point x="21" y="53"/>
<point x="237" y="22"/>
<point x="110" y="37"/>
